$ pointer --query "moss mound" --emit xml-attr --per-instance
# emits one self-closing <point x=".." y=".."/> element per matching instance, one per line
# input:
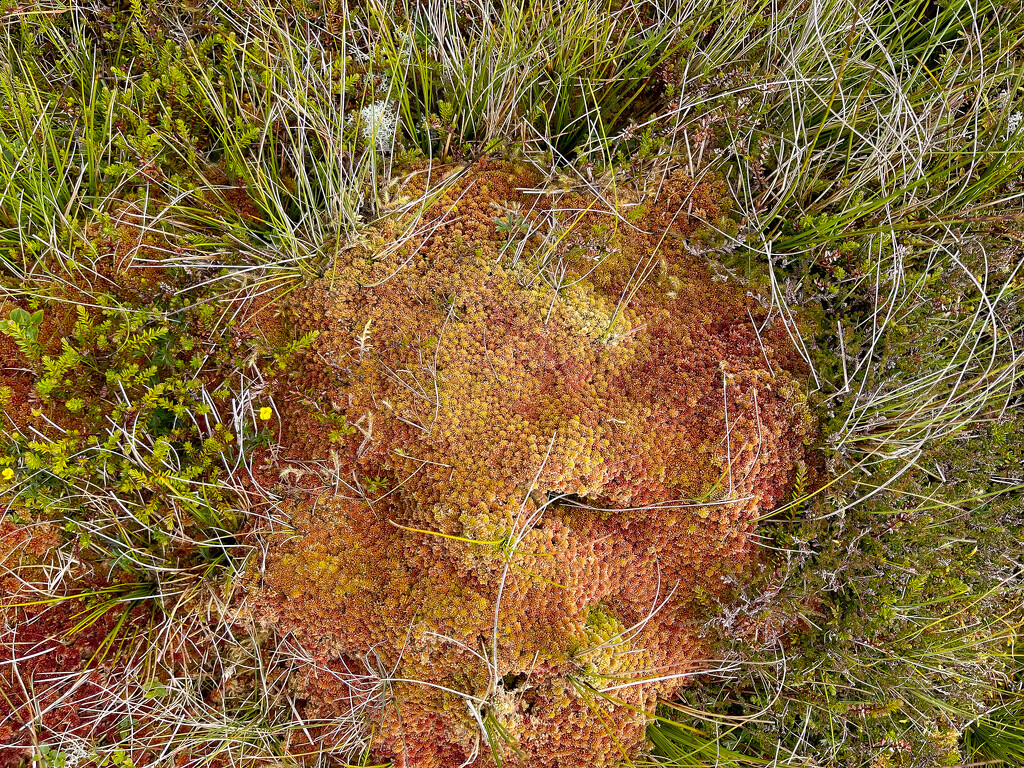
<point x="531" y="432"/>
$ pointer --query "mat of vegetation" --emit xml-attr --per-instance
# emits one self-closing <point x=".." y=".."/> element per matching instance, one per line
<point x="559" y="383"/>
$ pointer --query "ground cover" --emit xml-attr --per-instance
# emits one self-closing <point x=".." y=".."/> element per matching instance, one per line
<point x="583" y="384"/>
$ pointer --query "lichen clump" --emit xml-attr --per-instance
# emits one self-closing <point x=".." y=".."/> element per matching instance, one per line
<point x="546" y="431"/>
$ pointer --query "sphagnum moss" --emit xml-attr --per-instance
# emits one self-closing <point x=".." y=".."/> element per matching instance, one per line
<point x="558" y="463"/>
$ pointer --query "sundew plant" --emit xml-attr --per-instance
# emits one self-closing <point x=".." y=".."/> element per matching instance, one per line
<point x="472" y="384"/>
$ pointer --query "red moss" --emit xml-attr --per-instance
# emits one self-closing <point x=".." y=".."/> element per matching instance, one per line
<point x="55" y="662"/>
<point x="567" y="452"/>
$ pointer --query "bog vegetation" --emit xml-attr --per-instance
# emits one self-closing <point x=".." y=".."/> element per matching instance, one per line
<point x="556" y="384"/>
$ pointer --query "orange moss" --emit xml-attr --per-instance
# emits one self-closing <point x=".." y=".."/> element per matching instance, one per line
<point x="600" y="450"/>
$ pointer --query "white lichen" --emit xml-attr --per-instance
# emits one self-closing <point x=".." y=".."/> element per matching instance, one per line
<point x="378" y="122"/>
<point x="1013" y="123"/>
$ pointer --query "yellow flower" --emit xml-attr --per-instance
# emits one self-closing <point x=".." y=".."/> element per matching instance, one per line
<point x="7" y="474"/>
<point x="266" y="412"/>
